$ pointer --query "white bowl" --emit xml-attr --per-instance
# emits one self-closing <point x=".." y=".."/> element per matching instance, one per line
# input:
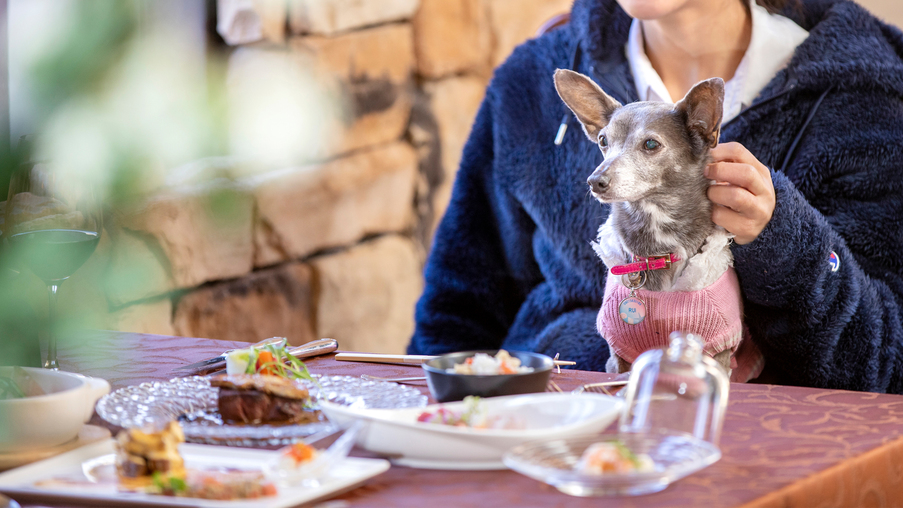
<point x="48" y="420"/>
<point x="397" y="433"/>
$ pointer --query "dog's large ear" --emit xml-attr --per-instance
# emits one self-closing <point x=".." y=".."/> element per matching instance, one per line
<point x="704" y="105"/>
<point x="592" y="106"/>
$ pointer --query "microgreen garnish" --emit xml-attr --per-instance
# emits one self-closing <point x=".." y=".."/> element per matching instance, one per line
<point x="281" y="363"/>
<point x="627" y="453"/>
<point x="168" y="485"/>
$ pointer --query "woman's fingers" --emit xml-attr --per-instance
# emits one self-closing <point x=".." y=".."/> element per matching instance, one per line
<point x="743" y="193"/>
<point x="743" y="228"/>
<point x="741" y="175"/>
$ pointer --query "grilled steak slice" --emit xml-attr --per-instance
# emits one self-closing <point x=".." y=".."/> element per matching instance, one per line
<point x="251" y="406"/>
<point x="255" y="398"/>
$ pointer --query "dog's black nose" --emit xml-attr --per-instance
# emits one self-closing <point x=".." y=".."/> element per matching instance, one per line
<point x="598" y="183"/>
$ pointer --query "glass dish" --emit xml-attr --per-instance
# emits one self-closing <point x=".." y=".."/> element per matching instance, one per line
<point x="286" y="472"/>
<point x="193" y="401"/>
<point x="675" y="455"/>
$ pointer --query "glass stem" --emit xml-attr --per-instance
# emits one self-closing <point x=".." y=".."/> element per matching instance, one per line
<point x="51" y="362"/>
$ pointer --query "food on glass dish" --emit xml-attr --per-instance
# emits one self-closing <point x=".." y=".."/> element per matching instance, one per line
<point x="299" y="462"/>
<point x="259" y="398"/>
<point x="473" y="416"/>
<point x="297" y="454"/>
<point x="264" y="385"/>
<point x="482" y="364"/>
<point x="613" y="457"/>
<point x="143" y="453"/>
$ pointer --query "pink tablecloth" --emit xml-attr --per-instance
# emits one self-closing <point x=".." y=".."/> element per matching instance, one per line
<point x="782" y="446"/>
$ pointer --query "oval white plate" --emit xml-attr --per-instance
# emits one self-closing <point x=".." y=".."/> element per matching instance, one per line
<point x="397" y="434"/>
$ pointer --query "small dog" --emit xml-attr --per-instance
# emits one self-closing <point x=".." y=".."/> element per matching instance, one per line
<point x="659" y="239"/>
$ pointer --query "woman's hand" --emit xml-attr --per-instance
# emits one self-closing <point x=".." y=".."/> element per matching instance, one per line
<point x="743" y="194"/>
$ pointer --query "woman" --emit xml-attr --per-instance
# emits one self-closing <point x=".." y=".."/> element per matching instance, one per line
<point x="811" y="165"/>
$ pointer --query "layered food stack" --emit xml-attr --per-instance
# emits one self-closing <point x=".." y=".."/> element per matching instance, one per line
<point x="264" y="385"/>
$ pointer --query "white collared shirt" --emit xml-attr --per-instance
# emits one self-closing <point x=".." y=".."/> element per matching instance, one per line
<point x="772" y="42"/>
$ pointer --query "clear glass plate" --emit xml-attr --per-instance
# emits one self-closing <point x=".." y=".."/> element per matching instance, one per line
<point x="554" y="462"/>
<point x="193" y="401"/>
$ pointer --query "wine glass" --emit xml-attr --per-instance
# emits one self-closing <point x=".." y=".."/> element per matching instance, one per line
<point x="53" y="224"/>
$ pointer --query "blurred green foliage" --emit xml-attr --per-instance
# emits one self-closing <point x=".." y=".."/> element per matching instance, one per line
<point x="93" y="68"/>
<point x="120" y="98"/>
<point x="96" y="38"/>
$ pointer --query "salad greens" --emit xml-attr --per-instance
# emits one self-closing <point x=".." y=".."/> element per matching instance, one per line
<point x="168" y="485"/>
<point x="270" y="359"/>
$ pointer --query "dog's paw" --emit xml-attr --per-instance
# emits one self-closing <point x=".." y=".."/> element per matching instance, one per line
<point x="617" y="365"/>
<point x="611" y="366"/>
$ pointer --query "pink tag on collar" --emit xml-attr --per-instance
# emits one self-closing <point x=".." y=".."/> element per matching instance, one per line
<point x="642" y="264"/>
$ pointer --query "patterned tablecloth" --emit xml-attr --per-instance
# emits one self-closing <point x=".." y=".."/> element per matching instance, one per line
<point x="782" y="446"/>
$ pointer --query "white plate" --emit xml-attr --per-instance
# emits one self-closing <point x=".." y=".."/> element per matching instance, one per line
<point x="398" y="435"/>
<point x="19" y="483"/>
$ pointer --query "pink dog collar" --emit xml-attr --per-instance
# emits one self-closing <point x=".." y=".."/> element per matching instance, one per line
<point x="641" y="264"/>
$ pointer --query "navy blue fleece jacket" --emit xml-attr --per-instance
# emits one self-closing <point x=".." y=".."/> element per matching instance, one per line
<point x="512" y="265"/>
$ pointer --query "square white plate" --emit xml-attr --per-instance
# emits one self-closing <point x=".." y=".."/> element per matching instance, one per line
<point x="19" y="483"/>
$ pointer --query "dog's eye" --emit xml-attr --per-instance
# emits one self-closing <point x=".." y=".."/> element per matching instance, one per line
<point x="603" y="141"/>
<point x="651" y="144"/>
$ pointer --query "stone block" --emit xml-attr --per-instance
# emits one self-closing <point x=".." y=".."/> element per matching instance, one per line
<point x="451" y="36"/>
<point x="276" y="112"/>
<point x="145" y="317"/>
<point x="370" y="73"/>
<point x="247" y="21"/>
<point x="887" y="10"/>
<point x="196" y="235"/>
<point x="304" y="210"/>
<point x="367" y="295"/>
<point x="137" y="268"/>
<point x="268" y="303"/>
<point x="327" y="17"/>
<point x="515" y="21"/>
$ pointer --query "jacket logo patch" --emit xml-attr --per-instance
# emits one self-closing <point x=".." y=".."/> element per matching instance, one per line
<point x="834" y="261"/>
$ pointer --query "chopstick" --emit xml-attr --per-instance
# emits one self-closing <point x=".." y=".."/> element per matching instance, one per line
<point x="402" y="359"/>
<point x="381" y="358"/>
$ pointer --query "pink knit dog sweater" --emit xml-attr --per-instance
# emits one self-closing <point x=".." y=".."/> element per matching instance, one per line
<point x="714" y="313"/>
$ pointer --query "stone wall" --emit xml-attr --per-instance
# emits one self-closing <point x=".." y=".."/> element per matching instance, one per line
<point x="888" y="10"/>
<point x="334" y="247"/>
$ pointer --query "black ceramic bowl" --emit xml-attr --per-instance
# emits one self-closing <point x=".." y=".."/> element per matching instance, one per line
<point x="446" y="386"/>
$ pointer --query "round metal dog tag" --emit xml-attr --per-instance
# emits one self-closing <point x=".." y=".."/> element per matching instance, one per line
<point x="632" y="310"/>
